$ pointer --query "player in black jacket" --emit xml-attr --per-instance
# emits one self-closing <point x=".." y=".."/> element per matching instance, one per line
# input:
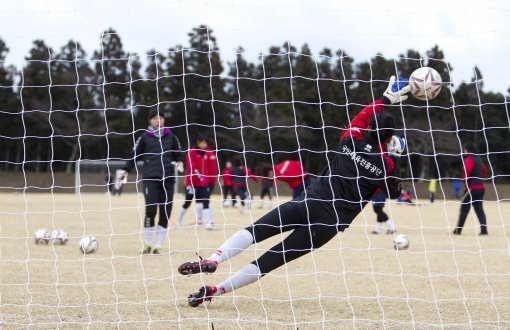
<point x="329" y="205"/>
<point x="160" y="150"/>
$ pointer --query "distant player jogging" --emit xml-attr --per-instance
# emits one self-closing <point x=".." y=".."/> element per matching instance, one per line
<point x="327" y="207"/>
<point x="227" y="185"/>
<point x="240" y="174"/>
<point x="160" y="150"/>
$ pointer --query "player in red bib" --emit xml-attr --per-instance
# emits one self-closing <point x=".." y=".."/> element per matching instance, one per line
<point x="474" y="173"/>
<point x="197" y="181"/>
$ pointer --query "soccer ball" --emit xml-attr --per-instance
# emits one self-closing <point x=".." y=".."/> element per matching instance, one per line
<point x="59" y="236"/>
<point x="88" y="244"/>
<point x="425" y="83"/>
<point x="42" y="236"/>
<point x="400" y="242"/>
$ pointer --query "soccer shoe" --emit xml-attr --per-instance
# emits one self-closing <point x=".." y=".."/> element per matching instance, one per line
<point x="456" y="231"/>
<point x="146" y="249"/>
<point x="483" y="233"/>
<point x="209" y="226"/>
<point x="375" y="232"/>
<point x="196" y="267"/>
<point x="204" y="294"/>
<point x="156" y="251"/>
<point x="391" y="231"/>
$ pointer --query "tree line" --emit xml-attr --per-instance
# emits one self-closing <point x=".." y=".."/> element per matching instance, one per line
<point x="65" y="105"/>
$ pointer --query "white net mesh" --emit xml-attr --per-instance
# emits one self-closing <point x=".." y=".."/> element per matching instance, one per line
<point x="70" y="120"/>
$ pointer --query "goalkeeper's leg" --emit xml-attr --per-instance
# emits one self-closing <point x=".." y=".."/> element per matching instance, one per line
<point x="301" y="241"/>
<point x="267" y="226"/>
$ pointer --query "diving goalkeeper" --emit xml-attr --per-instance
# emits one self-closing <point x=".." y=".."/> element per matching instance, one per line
<point x="327" y="207"/>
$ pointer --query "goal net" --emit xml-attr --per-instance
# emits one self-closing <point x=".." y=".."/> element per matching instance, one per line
<point x="70" y="119"/>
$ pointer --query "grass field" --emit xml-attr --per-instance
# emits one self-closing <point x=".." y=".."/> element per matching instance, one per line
<point x="356" y="281"/>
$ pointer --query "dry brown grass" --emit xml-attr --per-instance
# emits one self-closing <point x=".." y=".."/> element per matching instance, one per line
<point x="355" y="281"/>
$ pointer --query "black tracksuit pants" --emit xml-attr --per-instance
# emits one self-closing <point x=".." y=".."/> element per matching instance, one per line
<point x="159" y="193"/>
<point x="311" y="224"/>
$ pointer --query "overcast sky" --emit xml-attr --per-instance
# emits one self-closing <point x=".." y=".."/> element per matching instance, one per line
<point x="469" y="32"/>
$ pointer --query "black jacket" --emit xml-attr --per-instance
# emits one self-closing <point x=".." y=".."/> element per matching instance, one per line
<point x="360" y="167"/>
<point x="157" y="153"/>
<point x="352" y="178"/>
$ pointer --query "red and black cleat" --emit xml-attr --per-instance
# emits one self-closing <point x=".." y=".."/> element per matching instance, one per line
<point x="204" y="294"/>
<point x="197" y="267"/>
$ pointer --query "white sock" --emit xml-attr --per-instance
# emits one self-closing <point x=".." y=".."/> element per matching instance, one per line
<point x="160" y="236"/>
<point x="390" y="224"/>
<point x="248" y="274"/>
<point x="147" y="234"/>
<point x="200" y="209"/>
<point x="377" y="227"/>
<point x="236" y="244"/>
<point x="207" y="216"/>
<point x="182" y="211"/>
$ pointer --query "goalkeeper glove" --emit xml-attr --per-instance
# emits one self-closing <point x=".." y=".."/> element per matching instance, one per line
<point x="396" y="146"/>
<point x="395" y="92"/>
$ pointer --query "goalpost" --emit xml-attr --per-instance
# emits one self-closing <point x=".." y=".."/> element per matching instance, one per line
<point x="287" y="104"/>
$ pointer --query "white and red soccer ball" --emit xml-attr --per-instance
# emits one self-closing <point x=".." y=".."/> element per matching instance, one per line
<point x="425" y="83"/>
<point x="59" y="236"/>
<point x="88" y="244"/>
<point x="400" y="242"/>
<point x="42" y="236"/>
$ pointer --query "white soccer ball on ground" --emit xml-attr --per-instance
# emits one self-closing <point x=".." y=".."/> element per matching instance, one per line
<point x="42" y="236"/>
<point x="400" y="242"/>
<point x="59" y="236"/>
<point x="88" y="244"/>
<point x="425" y="83"/>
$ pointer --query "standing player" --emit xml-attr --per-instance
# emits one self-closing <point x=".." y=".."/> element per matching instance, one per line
<point x="332" y="201"/>
<point x="239" y="175"/>
<point x="160" y="150"/>
<point x="293" y="173"/>
<point x="196" y="183"/>
<point x="378" y="202"/>
<point x="227" y="185"/>
<point x="474" y="173"/>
